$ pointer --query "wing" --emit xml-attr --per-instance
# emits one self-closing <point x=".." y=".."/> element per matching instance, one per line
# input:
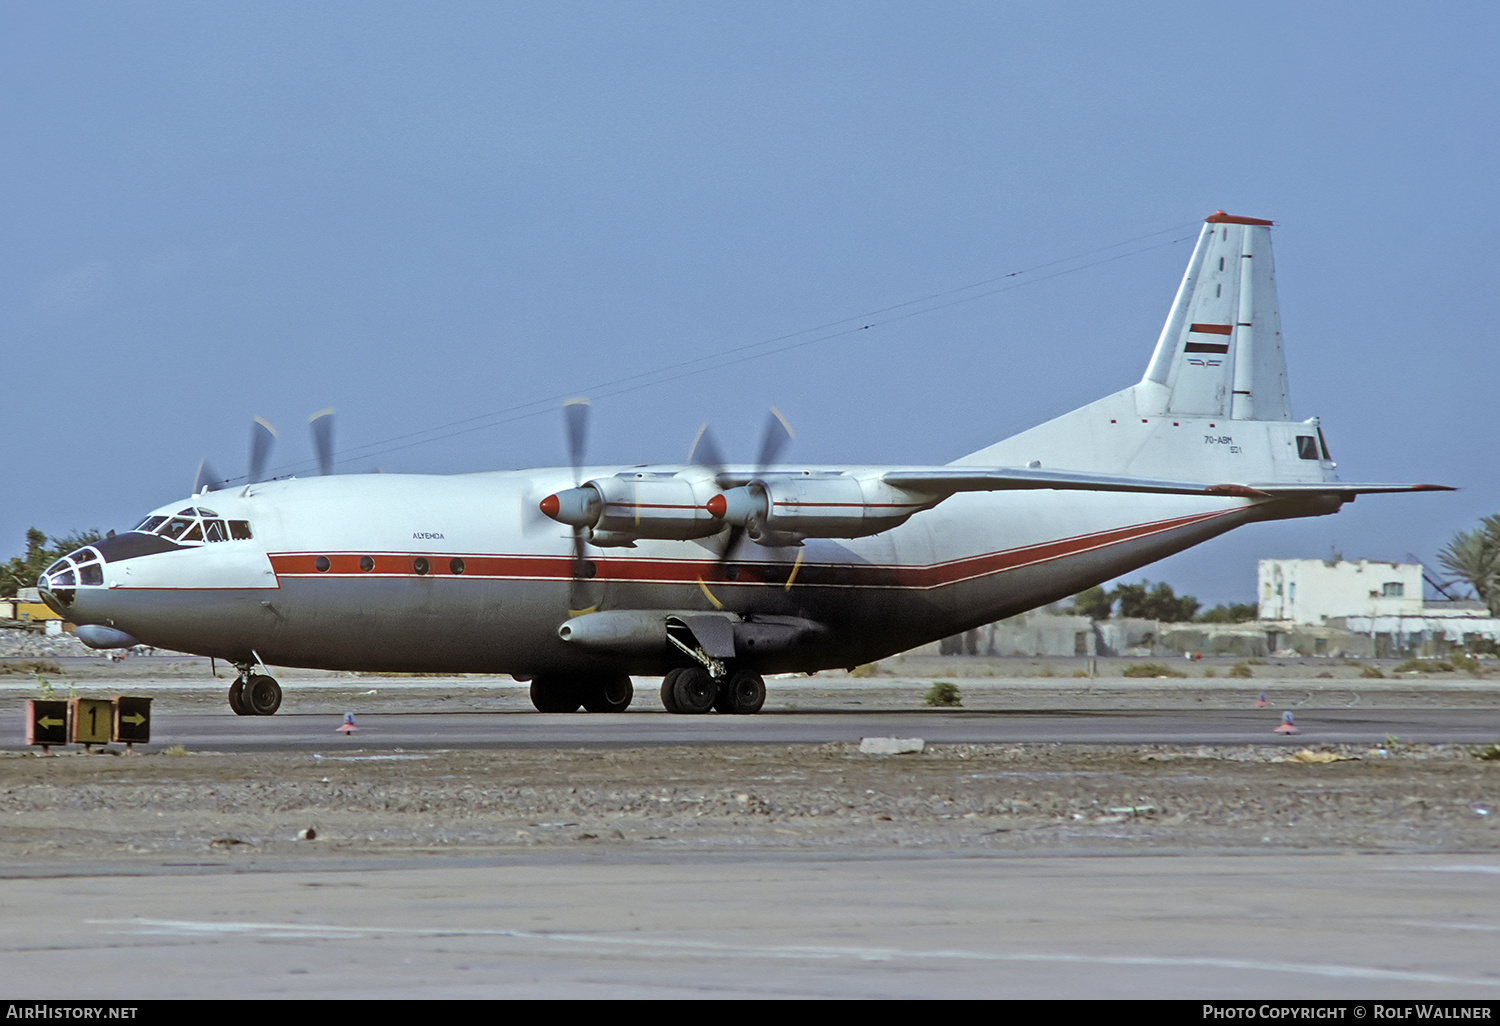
<point x="947" y="481"/>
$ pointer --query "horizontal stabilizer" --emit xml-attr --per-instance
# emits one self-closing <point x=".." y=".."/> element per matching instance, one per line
<point x="1340" y="488"/>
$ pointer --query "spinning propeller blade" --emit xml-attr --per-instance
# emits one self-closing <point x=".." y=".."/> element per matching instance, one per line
<point x="262" y="435"/>
<point x="322" y="432"/>
<point x="576" y="423"/>
<point x="205" y="480"/>
<point x="774" y="440"/>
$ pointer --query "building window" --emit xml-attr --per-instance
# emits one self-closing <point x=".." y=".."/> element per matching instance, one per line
<point x="1392" y="589"/>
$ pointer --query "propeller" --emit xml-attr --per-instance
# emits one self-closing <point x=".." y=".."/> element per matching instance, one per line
<point x="322" y="432"/>
<point x="262" y="438"/>
<point x="576" y="424"/>
<point x="205" y="480"/>
<point x="262" y="435"/>
<point x="774" y="440"/>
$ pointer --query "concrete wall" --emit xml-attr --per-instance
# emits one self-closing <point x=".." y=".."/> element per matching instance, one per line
<point x="1040" y="633"/>
<point x="1310" y="591"/>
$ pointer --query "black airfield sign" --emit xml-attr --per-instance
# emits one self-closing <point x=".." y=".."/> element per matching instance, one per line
<point x="132" y="724"/>
<point x="47" y="721"/>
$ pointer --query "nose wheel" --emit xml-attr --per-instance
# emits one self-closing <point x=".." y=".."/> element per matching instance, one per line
<point x="254" y="694"/>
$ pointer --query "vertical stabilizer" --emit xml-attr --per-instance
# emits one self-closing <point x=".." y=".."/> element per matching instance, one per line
<point x="1213" y="405"/>
<point x="1219" y="354"/>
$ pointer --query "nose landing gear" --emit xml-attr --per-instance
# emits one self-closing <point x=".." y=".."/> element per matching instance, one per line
<point x="254" y="694"/>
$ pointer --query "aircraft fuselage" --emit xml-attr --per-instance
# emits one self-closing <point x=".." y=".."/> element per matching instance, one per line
<point x="461" y="574"/>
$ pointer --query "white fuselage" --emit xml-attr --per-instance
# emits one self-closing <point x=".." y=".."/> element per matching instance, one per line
<point x="462" y="574"/>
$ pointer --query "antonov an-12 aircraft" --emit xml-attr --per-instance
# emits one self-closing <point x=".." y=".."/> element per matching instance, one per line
<point x="714" y="575"/>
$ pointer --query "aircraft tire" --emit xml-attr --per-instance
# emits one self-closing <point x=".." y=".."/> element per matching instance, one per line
<point x="262" y="695"/>
<point x="555" y="694"/>
<point x="694" y="690"/>
<point x="743" y="695"/>
<point x="237" y="698"/>
<point x="608" y="694"/>
<point x="669" y="690"/>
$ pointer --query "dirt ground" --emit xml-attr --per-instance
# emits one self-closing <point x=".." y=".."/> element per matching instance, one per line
<point x="180" y="808"/>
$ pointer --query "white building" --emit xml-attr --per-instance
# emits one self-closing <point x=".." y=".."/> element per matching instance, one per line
<point x="1312" y="591"/>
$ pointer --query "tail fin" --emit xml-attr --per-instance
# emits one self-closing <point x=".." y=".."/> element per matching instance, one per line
<point x="1213" y="405"/>
<point x="1220" y="353"/>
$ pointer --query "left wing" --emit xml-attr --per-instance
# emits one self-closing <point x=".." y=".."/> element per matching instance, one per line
<point x="947" y="481"/>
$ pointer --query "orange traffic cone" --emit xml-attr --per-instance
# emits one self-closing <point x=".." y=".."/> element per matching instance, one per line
<point x="1260" y="703"/>
<point x="347" y="727"/>
<point x="1286" y="726"/>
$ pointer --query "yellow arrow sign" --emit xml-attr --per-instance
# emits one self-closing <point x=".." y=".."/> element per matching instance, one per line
<point x="135" y="720"/>
<point x="48" y="721"/>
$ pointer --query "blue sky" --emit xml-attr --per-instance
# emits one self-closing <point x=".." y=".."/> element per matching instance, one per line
<point x="424" y="213"/>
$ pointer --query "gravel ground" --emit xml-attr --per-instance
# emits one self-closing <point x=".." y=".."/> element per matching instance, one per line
<point x="1018" y="798"/>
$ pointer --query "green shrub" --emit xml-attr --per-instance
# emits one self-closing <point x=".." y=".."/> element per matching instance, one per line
<point x="943" y="694"/>
<point x="1371" y="672"/>
<point x="1240" y="671"/>
<point x="1468" y="664"/>
<point x="1424" y="666"/>
<point x="1150" y="670"/>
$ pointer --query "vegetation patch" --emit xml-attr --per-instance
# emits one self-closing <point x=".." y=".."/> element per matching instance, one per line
<point x="32" y="666"/>
<point x="944" y="695"/>
<point x="1424" y="666"/>
<point x="1150" y="670"/>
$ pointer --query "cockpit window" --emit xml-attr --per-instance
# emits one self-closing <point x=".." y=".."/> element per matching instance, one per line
<point x="194" y="525"/>
<point x="175" y="528"/>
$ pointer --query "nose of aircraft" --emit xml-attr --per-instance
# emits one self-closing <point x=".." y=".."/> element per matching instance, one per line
<point x="58" y="585"/>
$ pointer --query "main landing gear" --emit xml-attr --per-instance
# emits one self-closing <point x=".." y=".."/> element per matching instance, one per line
<point x="599" y="693"/>
<point x="254" y="694"/>
<point x="691" y="690"/>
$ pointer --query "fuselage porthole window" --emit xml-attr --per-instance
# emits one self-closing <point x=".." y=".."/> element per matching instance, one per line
<point x="419" y="565"/>
<point x="321" y="564"/>
<point x="366" y="564"/>
<point x="456" y="565"/>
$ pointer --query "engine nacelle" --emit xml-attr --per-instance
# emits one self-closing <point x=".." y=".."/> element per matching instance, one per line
<point x="637" y="504"/>
<point x="779" y="507"/>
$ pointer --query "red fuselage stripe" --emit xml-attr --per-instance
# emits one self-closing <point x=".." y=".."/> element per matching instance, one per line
<point x="625" y="569"/>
